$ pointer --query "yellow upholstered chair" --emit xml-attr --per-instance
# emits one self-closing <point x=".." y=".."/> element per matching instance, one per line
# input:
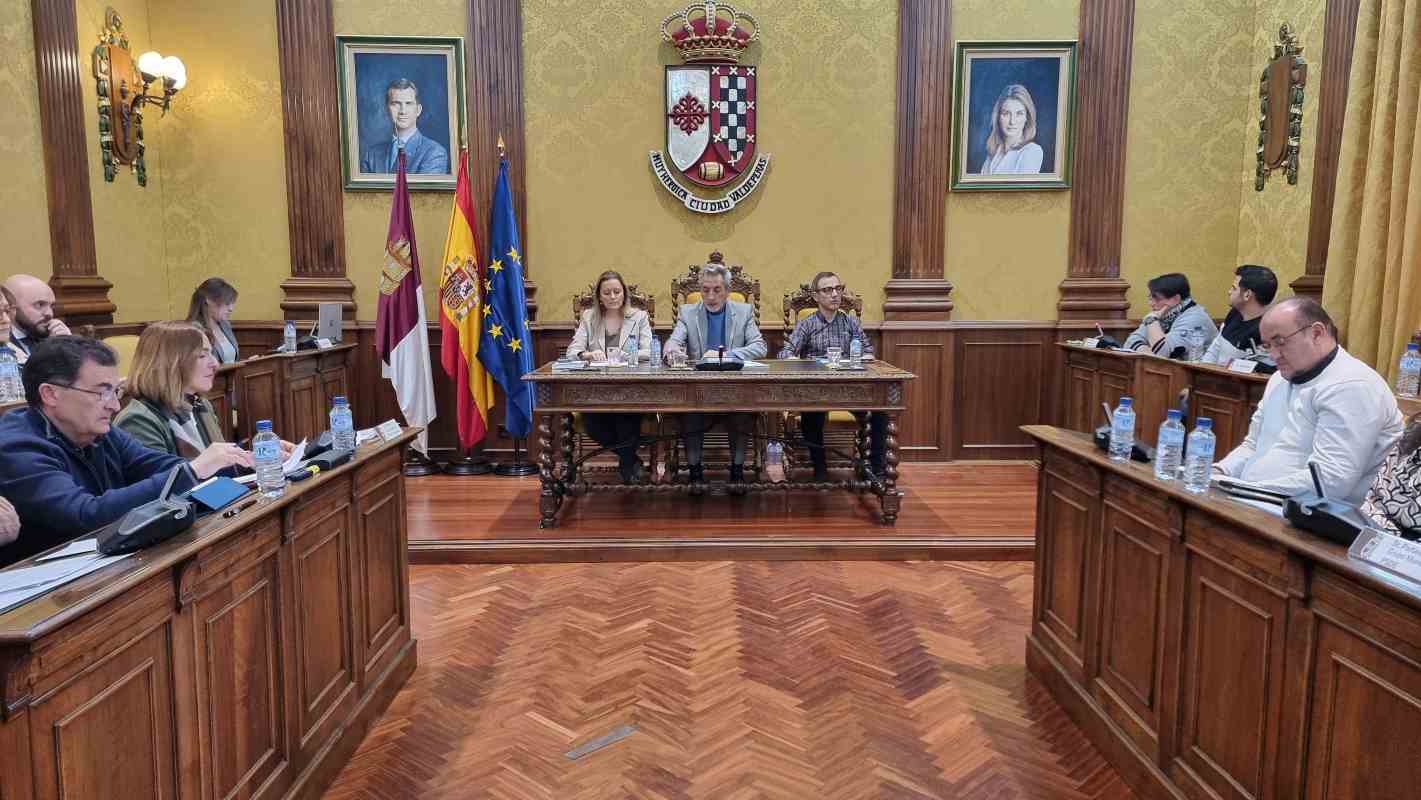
<point x="841" y="429"/>
<point x="125" y="345"/>
<point x="743" y="289"/>
<point x="650" y="424"/>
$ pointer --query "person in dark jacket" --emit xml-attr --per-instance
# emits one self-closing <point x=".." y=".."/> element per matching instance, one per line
<point x="63" y="467"/>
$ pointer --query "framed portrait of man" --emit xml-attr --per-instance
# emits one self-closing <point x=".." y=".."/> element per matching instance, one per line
<point x="400" y="93"/>
<point x="1012" y="120"/>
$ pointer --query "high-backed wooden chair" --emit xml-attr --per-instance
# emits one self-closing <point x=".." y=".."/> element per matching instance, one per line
<point x="743" y="289"/>
<point x="650" y="425"/>
<point x="841" y="430"/>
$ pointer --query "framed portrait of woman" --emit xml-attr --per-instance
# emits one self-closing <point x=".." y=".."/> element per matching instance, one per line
<point x="1013" y="120"/>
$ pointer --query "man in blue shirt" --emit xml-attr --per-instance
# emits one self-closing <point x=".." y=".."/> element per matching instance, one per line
<point x="701" y="330"/>
<point x="423" y="155"/>
<point x="63" y="468"/>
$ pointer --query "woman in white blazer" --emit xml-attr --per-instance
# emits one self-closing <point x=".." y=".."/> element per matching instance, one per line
<point x="612" y="324"/>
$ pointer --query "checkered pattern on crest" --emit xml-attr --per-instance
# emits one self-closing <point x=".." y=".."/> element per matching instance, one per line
<point x="733" y="116"/>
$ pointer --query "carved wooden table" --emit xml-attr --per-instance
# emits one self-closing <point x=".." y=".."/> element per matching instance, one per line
<point x="789" y="385"/>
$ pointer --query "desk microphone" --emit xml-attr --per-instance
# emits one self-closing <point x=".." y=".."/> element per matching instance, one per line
<point x="721" y="351"/>
<point x="1332" y="520"/>
<point x="1316" y="480"/>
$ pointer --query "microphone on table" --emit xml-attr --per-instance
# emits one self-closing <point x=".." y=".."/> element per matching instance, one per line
<point x="721" y="351"/>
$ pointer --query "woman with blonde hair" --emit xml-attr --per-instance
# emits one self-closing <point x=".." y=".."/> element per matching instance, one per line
<point x="612" y="324"/>
<point x="1011" y="145"/>
<point x="172" y="366"/>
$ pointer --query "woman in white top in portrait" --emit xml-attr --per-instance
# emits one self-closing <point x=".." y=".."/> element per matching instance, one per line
<point x="1011" y="146"/>
<point x="612" y="324"/>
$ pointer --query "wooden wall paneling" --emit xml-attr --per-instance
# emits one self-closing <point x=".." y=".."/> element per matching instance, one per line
<point x="1138" y="533"/>
<point x="305" y="32"/>
<point x="922" y="152"/>
<point x="60" y="70"/>
<point x="1000" y="383"/>
<point x="1093" y="288"/>
<point x="1236" y="599"/>
<point x="1066" y="530"/>
<point x="1339" y="37"/>
<point x="926" y="350"/>
<point x="495" y="100"/>
<point x="1156" y="390"/>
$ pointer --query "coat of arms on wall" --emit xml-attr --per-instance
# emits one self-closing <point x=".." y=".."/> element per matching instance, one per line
<point x="1280" y="110"/>
<point x="710" y="109"/>
<point x="120" y="119"/>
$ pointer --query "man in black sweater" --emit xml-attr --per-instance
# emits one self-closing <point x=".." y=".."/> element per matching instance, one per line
<point x="1253" y="289"/>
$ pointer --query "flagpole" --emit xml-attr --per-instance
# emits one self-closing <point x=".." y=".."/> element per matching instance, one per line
<point x="473" y="461"/>
<point x="518" y="468"/>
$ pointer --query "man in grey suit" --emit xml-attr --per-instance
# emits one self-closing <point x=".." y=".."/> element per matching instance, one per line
<point x="423" y="155"/>
<point x="704" y="328"/>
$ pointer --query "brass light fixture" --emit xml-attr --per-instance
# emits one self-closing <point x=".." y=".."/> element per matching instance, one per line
<point x="124" y="88"/>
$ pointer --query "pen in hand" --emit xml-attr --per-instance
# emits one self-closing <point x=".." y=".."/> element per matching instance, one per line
<point x="232" y="512"/>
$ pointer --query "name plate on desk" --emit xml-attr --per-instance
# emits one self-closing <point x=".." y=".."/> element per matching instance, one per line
<point x="324" y="344"/>
<point x="389" y="430"/>
<point x="1391" y="553"/>
<point x="1243" y="366"/>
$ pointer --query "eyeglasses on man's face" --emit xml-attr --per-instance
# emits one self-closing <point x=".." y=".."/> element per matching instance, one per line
<point x="1278" y="341"/>
<point x="831" y="290"/>
<point x="106" y="393"/>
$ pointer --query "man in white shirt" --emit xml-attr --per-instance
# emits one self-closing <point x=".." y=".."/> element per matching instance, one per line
<point x="1322" y="406"/>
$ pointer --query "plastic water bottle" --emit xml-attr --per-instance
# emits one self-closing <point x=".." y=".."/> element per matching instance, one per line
<point x="1199" y="463"/>
<point x="11" y="388"/>
<point x="855" y="352"/>
<point x="655" y="352"/>
<point x="1409" y="375"/>
<point x="1169" y="447"/>
<point x="288" y="338"/>
<point x="1122" y="430"/>
<point x="342" y="424"/>
<point x="266" y="451"/>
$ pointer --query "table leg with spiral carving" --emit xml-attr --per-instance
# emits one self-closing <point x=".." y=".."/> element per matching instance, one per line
<point x="889" y="497"/>
<point x="861" y="440"/>
<point x="568" y="439"/>
<point x="548" y="498"/>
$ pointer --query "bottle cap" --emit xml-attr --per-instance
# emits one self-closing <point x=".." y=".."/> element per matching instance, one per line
<point x="1413" y="346"/>
<point x="340" y="400"/>
<point x="1203" y="423"/>
<point x="1126" y="402"/>
<point x="1175" y="414"/>
<point x="263" y="425"/>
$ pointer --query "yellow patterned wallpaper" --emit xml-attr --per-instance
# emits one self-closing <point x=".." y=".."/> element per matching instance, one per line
<point x="1273" y="224"/>
<point x="594" y="108"/>
<point x="24" y="227"/>
<point x="223" y="187"/>
<point x="1189" y="104"/>
<point x="1006" y="251"/>
<point x="367" y="214"/>
<point x="128" y="218"/>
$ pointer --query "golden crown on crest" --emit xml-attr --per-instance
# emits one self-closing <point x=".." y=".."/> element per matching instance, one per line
<point x="710" y="31"/>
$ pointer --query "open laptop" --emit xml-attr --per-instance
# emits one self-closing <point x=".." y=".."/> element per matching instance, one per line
<point x="328" y="321"/>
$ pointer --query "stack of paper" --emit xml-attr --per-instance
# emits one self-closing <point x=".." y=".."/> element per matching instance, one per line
<point x="19" y="585"/>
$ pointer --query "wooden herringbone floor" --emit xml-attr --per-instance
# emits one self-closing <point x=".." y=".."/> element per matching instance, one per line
<point x="743" y="680"/>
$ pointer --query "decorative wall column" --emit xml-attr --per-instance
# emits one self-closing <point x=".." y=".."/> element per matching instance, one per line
<point x="305" y="33"/>
<point x="1093" y="289"/>
<point x="82" y="296"/>
<point x="918" y="289"/>
<point x="1339" y="38"/>
<point x="495" y="81"/>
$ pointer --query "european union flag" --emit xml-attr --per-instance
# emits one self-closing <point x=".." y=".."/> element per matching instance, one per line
<point x="506" y="345"/>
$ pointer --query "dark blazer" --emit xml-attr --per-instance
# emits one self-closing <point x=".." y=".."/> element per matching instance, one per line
<point x="231" y="337"/>
<point x="62" y="491"/>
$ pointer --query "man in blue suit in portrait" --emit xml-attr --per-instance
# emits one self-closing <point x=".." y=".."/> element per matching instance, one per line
<point x="423" y="155"/>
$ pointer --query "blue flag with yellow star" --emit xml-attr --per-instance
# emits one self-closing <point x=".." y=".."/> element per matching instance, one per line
<point x="506" y="345"/>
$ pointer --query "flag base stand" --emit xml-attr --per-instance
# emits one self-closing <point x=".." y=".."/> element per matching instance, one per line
<point x="470" y="464"/>
<point x="417" y="464"/>
<point x="518" y="468"/>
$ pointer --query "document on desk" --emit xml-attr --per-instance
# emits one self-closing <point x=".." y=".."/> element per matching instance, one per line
<point x="19" y="585"/>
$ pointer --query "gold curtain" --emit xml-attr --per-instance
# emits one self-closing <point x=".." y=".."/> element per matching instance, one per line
<point x="1373" y="281"/>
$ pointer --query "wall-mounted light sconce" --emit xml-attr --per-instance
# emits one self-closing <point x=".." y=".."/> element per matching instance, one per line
<point x="124" y="89"/>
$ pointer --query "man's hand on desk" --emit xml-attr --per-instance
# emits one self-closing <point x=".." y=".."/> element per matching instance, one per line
<point x="219" y="456"/>
<point x="286" y="448"/>
<point x="9" y="522"/>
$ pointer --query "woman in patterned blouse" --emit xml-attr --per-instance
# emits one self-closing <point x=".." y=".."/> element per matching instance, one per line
<point x="1393" y="504"/>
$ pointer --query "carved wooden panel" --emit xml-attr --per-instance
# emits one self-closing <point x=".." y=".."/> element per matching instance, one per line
<point x="1230" y="686"/>
<point x="380" y="524"/>
<point x="1229" y="415"/>
<point x="1082" y="409"/>
<point x="1063" y="542"/>
<point x="1135" y="578"/>
<point x="923" y="429"/>
<point x="999" y="387"/>
<point x="1156" y="385"/>
<point x="259" y="399"/>
<point x="127" y="698"/>
<point x="305" y="410"/>
<point x="241" y="698"/>
<point x="847" y="396"/>
<point x="320" y="583"/>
